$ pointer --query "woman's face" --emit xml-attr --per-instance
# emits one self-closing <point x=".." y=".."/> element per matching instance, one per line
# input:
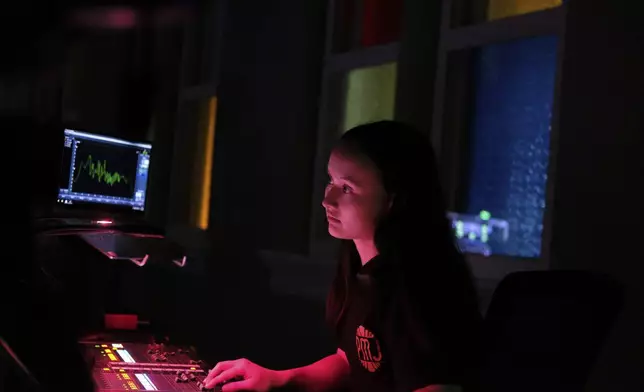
<point x="354" y="198"/>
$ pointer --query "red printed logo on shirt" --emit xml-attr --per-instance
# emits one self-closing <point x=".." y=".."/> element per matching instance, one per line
<point x="368" y="347"/>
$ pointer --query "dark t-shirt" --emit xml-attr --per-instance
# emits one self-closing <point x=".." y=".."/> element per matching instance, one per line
<point x="401" y="337"/>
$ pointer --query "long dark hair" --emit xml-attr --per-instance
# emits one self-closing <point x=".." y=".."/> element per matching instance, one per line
<point x="415" y="233"/>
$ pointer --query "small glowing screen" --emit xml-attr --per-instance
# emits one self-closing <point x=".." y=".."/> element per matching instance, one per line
<point x="126" y="356"/>
<point x="144" y="379"/>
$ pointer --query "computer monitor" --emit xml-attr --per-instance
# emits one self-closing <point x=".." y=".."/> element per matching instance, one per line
<point x="480" y="233"/>
<point x="103" y="172"/>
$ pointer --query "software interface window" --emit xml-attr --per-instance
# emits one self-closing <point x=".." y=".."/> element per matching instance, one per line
<point x="103" y="170"/>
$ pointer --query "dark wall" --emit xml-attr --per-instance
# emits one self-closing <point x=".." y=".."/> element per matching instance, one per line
<point x="266" y="129"/>
<point x="264" y="149"/>
<point x="108" y="84"/>
<point x="124" y="83"/>
<point x="94" y="77"/>
<point x="166" y="60"/>
<point x="598" y="200"/>
<point x="417" y="63"/>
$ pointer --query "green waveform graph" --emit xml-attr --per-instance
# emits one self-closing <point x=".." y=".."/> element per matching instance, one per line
<point x="97" y="170"/>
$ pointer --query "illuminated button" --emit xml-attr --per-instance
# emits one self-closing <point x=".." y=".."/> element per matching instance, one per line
<point x="104" y="345"/>
<point x="106" y="369"/>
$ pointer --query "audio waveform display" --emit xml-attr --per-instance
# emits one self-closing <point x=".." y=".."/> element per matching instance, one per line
<point x="97" y="170"/>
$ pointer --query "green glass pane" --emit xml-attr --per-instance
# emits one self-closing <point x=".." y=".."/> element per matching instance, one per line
<point x="370" y="95"/>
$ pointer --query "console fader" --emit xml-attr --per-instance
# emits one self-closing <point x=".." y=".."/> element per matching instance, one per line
<point x="122" y="366"/>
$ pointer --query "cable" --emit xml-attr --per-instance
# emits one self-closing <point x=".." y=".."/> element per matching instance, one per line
<point x="32" y="383"/>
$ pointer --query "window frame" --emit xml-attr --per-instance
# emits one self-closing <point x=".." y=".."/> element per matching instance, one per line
<point x="488" y="270"/>
<point x="452" y="39"/>
<point x="330" y="115"/>
<point x="200" y="54"/>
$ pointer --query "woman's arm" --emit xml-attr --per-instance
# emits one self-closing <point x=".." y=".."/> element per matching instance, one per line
<point x="326" y="374"/>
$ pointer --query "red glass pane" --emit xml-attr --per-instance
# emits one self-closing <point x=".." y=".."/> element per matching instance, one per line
<point x="363" y="23"/>
<point x="381" y="21"/>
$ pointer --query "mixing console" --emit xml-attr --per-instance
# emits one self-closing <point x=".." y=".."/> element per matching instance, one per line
<point x="121" y="366"/>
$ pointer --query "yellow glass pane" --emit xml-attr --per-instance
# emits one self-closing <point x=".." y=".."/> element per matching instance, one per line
<point x="202" y="179"/>
<point x="498" y="9"/>
<point x="371" y="95"/>
<point x="209" y="147"/>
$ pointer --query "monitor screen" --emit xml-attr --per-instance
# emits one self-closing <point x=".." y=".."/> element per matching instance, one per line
<point x="480" y="233"/>
<point x="101" y="170"/>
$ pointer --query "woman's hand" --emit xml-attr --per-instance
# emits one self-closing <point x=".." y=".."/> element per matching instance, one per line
<point x="255" y="377"/>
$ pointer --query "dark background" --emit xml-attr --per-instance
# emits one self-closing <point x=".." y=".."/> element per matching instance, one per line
<point x="125" y="82"/>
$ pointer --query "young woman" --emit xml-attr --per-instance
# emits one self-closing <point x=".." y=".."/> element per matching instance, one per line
<point x="403" y="304"/>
